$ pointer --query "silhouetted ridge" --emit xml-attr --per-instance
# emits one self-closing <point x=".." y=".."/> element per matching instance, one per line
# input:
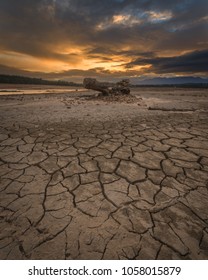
<point x="12" y="79"/>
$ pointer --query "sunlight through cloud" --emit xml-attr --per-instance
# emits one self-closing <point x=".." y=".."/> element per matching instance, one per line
<point x="155" y="17"/>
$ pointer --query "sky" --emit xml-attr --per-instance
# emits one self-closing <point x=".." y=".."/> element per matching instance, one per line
<point x="104" y="39"/>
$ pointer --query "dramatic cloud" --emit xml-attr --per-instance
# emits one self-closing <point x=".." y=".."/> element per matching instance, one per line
<point x="194" y="62"/>
<point x="108" y="39"/>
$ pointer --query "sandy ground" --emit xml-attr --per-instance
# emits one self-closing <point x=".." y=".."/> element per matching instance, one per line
<point x="84" y="178"/>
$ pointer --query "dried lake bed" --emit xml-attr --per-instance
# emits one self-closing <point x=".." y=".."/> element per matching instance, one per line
<point x="90" y="178"/>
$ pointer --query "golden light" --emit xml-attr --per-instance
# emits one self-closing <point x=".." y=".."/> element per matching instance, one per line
<point x="159" y="16"/>
<point x="117" y="19"/>
<point x="124" y="19"/>
<point x="96" y="63"/>
<point x="141" y="67"/>
<point x="30" y="63"/>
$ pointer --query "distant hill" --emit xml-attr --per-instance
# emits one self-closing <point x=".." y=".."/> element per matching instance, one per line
<point x="12" y="79"/>
<point x="173" y="81"/>
<point x="154" y="82"/>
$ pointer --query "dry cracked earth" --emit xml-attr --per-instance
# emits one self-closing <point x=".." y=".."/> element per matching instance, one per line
<point x="128" y="188"/>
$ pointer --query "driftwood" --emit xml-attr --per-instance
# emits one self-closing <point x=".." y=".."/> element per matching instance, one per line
<point x="90" y="83"/>
<point x="121" y="87"/>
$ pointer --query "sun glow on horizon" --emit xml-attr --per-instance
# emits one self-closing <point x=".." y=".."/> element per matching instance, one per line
<point x="31" y="63"/>
<point x="49" y="65"/>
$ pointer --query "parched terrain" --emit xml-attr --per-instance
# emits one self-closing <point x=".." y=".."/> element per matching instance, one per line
<point x="85" y="179"/>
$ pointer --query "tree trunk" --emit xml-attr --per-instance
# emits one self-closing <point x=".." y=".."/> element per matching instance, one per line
<point x="95" y="85"/>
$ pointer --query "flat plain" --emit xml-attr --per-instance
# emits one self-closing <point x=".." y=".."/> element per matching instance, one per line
<point x="84" y="177"/>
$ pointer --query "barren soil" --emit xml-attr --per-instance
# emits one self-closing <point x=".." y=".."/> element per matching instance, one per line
<point x="90" y="178"/>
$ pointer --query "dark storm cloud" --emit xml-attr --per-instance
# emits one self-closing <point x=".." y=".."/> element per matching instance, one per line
<point x="41" y="27"/>
<point x="195" y="62"/>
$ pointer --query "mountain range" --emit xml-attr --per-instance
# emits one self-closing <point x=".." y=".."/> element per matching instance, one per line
<point x="173" y="81"/>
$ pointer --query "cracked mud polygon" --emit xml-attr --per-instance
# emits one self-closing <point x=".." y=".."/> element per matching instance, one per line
<point x="85" y="178"/>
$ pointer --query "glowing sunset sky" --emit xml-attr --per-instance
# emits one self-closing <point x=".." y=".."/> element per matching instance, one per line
<point x="108" y="39"/>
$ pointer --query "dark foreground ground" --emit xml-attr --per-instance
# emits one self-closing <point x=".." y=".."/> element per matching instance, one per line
<point x="83" y="178"/>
